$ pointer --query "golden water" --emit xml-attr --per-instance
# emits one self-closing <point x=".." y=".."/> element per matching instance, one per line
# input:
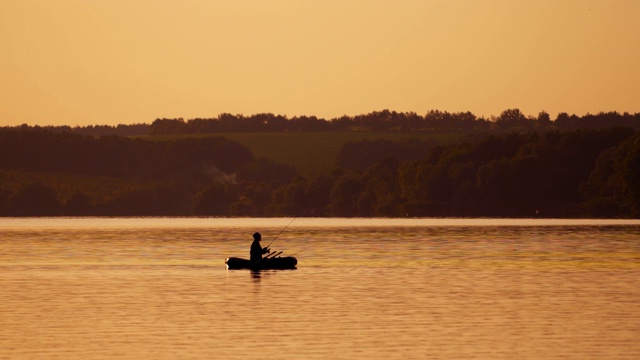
<point x="369" y="288"/>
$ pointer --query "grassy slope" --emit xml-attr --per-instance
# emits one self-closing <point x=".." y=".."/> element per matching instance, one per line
<point x="311" y="152"/>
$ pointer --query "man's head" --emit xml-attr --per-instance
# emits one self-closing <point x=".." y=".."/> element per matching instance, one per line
<point x="257" y="236"/>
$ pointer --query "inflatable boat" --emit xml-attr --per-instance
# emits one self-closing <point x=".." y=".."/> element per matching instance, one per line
<point x="272" y="263"/>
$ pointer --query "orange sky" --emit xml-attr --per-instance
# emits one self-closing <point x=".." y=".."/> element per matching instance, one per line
<point x="81" y="62"/>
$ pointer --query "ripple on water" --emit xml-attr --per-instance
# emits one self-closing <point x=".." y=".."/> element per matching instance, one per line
<point x="359" y="292"/>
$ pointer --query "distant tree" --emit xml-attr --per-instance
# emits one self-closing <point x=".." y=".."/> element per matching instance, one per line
<point x="296" y="196"/>
<point x="214" y="200"/>
<point x="254" y="197"/>
<point x="4" y="201"/>
<point x="290" y="199"/>
<point x="565" y="122"/>
<point x="79" y="205"/>
<point x="516" y="186"/>
<point x="318" y="192"/>
<point x="544" y="119"/>
<point x="143" y="201"/>
<point x="631" y="175"/>
<point x="604" y="189"/>
<point x="168" y="126"/>
<point x="345" y="195"/>
<point x="467" y="200"/>
<point x="511" y="118"/>
<point x="35" y="199"/>
<point x="383" y="190"/>
<point x="309" y="123"/>
<point x="427" y="189"/>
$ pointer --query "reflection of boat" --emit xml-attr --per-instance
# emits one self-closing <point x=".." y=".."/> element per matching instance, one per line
<point x="287" y="262"/>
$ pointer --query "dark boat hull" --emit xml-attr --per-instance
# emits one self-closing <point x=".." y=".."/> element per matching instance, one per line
<point x="280" y="263"/>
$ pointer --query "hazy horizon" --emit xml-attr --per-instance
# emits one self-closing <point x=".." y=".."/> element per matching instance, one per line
<point x="73" y="62"/>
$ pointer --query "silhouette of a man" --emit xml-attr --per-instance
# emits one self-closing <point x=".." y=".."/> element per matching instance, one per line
<point x="256" y="249"/>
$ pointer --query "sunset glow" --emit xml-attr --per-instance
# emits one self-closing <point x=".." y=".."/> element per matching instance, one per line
<point x="79" y="62"/>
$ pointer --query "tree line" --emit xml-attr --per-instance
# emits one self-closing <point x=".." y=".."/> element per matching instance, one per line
<point x="577" y="173"/>
<point x="377" y="121"/>
<point x="582" y="173"/>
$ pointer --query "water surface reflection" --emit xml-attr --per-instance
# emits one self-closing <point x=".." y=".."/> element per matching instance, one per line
<point x="389" y="290"/>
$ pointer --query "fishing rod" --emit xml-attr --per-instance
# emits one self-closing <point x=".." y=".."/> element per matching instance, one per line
<point x="303" y="250"/>
<point x="270" y="256"/>
<point x="285" y="228"/>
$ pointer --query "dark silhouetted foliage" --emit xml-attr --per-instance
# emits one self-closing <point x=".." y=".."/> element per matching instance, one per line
<point x="35" y="199"/>
<point x="532" y="171"/>
<point x="377" y="121"/>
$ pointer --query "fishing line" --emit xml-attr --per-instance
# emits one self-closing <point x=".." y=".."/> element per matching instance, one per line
<point x="303" y="250"/>
<point x="285" y="228"/>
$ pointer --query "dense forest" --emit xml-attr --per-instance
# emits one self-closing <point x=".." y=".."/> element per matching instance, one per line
<point x="544" y="171"/>
<point x="385" y="120"/>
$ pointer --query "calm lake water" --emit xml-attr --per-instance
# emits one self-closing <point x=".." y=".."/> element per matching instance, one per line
<point x="364" y="289"/>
